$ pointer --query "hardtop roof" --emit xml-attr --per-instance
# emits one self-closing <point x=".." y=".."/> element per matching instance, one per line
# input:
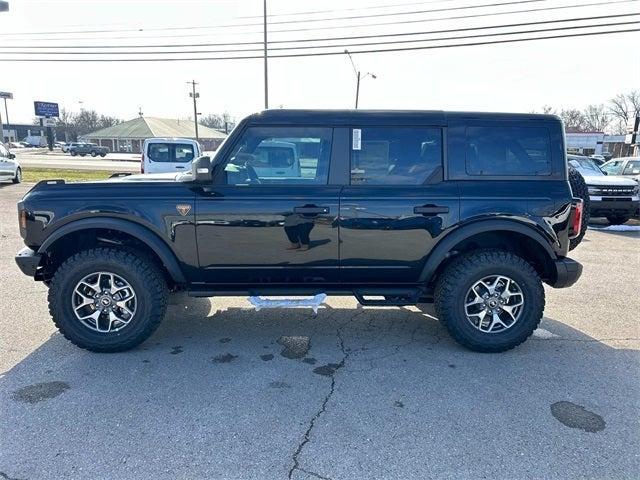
<point x="386" y="117"/>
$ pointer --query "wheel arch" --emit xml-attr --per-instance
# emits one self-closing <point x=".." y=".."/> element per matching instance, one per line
<point x="517" y="235"/>
<point x="155" y="244"/>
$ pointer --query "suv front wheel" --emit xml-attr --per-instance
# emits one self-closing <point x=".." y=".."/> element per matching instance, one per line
<point x="107" y="299"/>
<point x="618" y="219"/>
<point x="490" y="300"/>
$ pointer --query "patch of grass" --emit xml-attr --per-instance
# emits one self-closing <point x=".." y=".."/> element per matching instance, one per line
<point x="36" y="174"/>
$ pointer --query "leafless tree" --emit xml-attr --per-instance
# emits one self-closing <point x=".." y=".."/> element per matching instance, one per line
<point x="596" y="118"/>
<point x="573" y="119"/>
<point x="623" y="105"/>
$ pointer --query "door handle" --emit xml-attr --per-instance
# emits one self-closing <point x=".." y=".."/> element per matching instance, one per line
<point x="310" y="210"/>
<point x="431" y="210"/>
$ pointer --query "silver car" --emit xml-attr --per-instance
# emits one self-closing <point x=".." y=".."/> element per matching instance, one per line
<point x="625" y="166"/>
<point x="9" y="166"/>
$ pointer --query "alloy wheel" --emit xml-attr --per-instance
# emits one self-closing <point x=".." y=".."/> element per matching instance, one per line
<point x="494" y="304"/>
<point x="104" y="302"/>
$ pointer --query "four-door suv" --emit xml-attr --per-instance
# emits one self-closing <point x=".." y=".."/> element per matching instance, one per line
<point x="472" y="211"/>
<point x="83" y="149"/>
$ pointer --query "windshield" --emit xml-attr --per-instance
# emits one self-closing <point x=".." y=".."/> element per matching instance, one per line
<point x="585" y="166"/>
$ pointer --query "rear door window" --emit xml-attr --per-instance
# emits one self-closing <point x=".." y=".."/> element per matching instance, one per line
<point x="171" y="152"/>
<point x="395" y="155"/>
<point x="508" y="151"/>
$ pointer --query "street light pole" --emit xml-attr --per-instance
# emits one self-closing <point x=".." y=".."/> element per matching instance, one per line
<point x="358" y="76"/>
<point x="193" y="94"/>
<point x="266" y="72"/>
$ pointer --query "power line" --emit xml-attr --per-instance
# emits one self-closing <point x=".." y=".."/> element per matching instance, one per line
<point x="319" y="54"/>
<point x="534" y="10"/>
<point x="372" y="7"/>
<point x="306" y="20"/>
<point x="309" y="47"/>
<point x="476" y="15"/>
<point x="307" y="40"/>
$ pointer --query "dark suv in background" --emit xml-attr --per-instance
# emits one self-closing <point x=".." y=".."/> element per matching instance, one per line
<point x="83" y="149"/>
<point x="471" y="211"/>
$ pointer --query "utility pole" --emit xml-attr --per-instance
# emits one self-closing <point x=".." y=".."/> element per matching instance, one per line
<point x="358" y="76"/>
<point x="195" y="95"/>
<point x="266" y="71"/>
<point x="6" y="111"/>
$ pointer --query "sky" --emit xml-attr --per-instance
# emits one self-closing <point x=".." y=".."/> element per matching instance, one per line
<point x="514" y="77"/>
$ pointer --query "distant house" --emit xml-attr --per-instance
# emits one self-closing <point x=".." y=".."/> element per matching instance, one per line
<point x="129" y="136"/>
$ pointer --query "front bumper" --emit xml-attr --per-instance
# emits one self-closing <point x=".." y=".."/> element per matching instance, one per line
<point x="28" y="261"/>
<point x="567" y="272"/>
<point x="603" y="206"/>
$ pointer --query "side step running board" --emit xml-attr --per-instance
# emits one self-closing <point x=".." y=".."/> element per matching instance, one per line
<point x="387" y="296"/>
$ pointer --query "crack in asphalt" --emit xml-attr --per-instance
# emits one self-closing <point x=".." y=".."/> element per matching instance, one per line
<point x="7" y="477"/>
<point x="323" y="407"/>
<point x="313" y="474"/>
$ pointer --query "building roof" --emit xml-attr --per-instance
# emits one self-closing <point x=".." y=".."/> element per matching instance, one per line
<point x="148" y="127"/>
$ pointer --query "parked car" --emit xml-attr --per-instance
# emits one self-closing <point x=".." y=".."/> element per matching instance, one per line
<point x="66" y="146"/>
<point x="470" y="211"/>
<point x="161" y="155"/>
<point x="83" y="149"/>
<point x="16" y="145"/>
<point x="613" y="197"/>
<point x="598" y="159"/>
<point x="9" y="166"/>
<point x="626" y="166"/>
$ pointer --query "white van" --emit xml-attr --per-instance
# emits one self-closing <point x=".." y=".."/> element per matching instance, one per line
<point x="162" y="155"/>
<point x="276" y="159"/>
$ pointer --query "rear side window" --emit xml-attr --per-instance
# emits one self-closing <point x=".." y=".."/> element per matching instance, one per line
<point x="508" y="151"/>
<point x="395" y="155"/>
<point x="170" y="152"/>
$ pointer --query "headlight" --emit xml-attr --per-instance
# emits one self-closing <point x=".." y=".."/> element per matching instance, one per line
<point x="594" y="191"/>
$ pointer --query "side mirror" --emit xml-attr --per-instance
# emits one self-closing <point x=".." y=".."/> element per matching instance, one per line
<point x="11" y="156"/>
<point x="201" y="168"/>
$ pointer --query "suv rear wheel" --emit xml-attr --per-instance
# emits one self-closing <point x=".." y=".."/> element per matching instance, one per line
<point x="107" y="299"/>
<point x="580" y="189"/>
<point x="490" y="301"/>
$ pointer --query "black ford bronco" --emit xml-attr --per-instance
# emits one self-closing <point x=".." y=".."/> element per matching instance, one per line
<point x="471" y="211"/>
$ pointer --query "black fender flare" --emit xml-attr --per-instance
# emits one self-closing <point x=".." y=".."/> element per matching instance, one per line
<point x="140" y="232"/>
<point x="442" y="248"/>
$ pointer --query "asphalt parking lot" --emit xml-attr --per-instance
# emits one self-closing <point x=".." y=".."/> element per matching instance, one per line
<point x="217" y="392"/>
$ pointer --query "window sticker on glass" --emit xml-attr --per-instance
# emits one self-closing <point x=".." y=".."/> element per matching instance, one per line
<point x="357" y="139"/>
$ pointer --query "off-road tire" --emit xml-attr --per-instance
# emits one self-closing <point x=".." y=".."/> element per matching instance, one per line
<point x="458" y="277"/>
<point x="136" y="268"/>
<point x="579" y="189"/>
<point x="18" y="177"/>
<point x="618" y="219"/>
